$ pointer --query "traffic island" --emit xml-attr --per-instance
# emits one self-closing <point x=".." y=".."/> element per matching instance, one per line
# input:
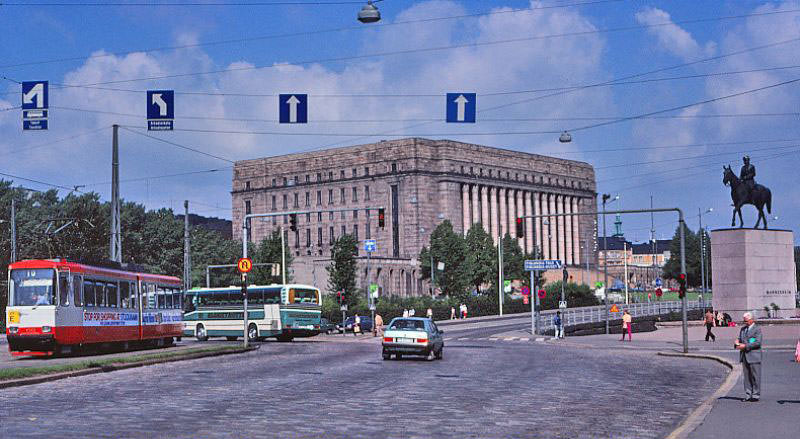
<point x="23" y="376"/>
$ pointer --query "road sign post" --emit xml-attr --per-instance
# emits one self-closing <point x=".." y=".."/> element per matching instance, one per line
<point x="370" y="246"/>
<point x="245" y="265"/>
<point x="534" y="307"/>
<point x="160" y="110"/>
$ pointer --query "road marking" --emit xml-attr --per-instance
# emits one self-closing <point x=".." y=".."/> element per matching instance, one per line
<point x="524" y="339"/>
<point x="448" y="338"/>
<point x="464" y="338"/>
<point x="540" y="339"/>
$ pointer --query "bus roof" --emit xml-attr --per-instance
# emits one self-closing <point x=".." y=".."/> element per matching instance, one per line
<point x="249" y="287"/>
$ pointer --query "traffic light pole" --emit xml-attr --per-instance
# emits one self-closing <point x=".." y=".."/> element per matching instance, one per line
<point x="283" y="257"/>
<point x="681" y="225"/>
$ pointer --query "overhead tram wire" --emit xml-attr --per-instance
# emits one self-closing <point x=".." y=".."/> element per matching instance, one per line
<point x="52" y="142"/>
<point x="188" y="148"/>
<point x="306" y="33"/>
<point x="439" y="95"/>
<point x="436" y="49"/>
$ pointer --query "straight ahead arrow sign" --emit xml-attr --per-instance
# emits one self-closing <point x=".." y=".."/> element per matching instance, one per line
<point x="293" y="101"/>
<point x="461" y="101"/>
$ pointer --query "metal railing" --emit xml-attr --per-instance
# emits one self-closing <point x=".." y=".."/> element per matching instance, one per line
<point x="595" y="314"/>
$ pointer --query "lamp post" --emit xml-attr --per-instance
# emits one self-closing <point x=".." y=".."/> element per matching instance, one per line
<point x="369" y="13"/>
<point x="606" y="197"/>
<point x="703" y="256"/>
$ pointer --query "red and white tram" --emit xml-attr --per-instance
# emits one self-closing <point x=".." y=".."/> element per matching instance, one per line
<point x="57" y="306"/>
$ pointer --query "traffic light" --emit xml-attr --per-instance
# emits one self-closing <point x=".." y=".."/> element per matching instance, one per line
<point x="565" y="275"/>
<point x="381" y="217"/>
<point x="520" y="228"/>
<point x="682" y="285"/>
<point x="293" y="222"/>
<point x="339" y="297"/>
<point x="344" y="297"/>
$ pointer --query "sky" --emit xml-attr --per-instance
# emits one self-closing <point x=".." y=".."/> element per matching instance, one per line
<point x="657" y="95"/>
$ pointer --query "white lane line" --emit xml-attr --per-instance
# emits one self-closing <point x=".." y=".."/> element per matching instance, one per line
<point x="524" y="339"/>
<point x="464" y="338"/>
<point x="540" y="339"/>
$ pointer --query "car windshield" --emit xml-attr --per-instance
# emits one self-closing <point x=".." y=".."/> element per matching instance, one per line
<point x="33" y="287"/>
<point x="408" y="325"/>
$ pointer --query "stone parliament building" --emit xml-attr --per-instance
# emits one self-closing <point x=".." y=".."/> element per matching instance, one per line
<point x="420" y="183"/>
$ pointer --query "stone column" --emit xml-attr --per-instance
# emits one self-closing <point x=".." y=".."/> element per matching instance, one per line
<point x="553" y="230"/>
<point x="465" y="214"/>
<point x="493" y="210"/>
<point x="568" y="225"/>
<point x="520" y="212"/>
<point x="576" y="236"/>
<point x="503" y="212"/>
<point x="512" y="213"/>
<point x="545" y="227"/>
<point x="537" y="208"/>
<point x="561" y="234"/>
<point x="476" y="213"/>
<point x="485" y="209"/>
<point x="528" y="223"/>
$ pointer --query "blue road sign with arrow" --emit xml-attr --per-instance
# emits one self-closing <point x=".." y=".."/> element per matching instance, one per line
<point x="293" y="108"/>
<point x="542" y="264"/>
<point x="658" y="281"/>
<point x="461" y="107"/>
<point x="35" y="102"/>
<point x="369" y="245"/>
<point x="160" y="110"/>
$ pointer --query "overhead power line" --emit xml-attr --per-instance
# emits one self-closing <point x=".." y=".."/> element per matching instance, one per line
<point x="52" y="142"/>
<point x="188" y="148"/>
<point x="439" y="48"/>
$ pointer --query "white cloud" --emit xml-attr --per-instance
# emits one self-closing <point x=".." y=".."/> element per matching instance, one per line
<point x="671" y="37"/>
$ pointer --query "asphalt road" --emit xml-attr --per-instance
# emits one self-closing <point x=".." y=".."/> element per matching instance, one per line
<point x="338" y="387"/>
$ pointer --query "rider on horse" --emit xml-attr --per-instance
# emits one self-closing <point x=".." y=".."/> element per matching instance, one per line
<point x="748" y="174"/>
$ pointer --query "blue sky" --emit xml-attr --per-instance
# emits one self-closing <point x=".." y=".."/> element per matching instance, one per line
<point x="677" y="160"/>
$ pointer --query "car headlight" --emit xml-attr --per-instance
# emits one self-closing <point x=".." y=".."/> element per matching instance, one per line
<point x="46" y="329"/>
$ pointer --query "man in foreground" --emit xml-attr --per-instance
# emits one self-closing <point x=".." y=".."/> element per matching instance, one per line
<point x="749" y="346"/>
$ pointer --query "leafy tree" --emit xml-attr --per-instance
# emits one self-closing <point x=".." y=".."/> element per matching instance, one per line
<point x="481" y="262"/>
<point x="342" y="270"/>
<point x="211" y="248"/>
<point x="673" y="266"/>
<point x="576" y="295"/>
<point x="269" y="251"/>
<point x="449" y="247"/>
<point x="513" y="260"/>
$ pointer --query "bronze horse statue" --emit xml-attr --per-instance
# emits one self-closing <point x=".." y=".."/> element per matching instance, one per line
<point x="759" y="196"/>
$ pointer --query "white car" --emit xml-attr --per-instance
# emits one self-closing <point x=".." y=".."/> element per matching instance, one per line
<point x="413" y="336"/>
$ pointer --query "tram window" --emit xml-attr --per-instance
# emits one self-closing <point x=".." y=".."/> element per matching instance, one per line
<point x="134" y="294"/>
<point x="151" y="296"/>
<point x="124" y="294"/>
<point x="77" y="290"/>
<point x="111" y="295"/>
<point x="168" y="298"/>
<point x="63" y="289"/>
<point x="99" y="294"/>
<point x="88" y="293"/>
<point x="177" y="298"/>
<point x="161" y="299"/>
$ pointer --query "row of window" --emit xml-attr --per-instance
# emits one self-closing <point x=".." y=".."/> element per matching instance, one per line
<point x="331" y="235"/>
<point x="331" y="199"/>
<point x="292" y="181"/>
<point x="122" y="294"/>
<point x="525" y="177"/>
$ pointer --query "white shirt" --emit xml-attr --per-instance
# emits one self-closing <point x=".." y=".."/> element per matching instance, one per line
<point x="358" y="320"/>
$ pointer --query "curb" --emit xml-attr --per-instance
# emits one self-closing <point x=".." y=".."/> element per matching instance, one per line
<point x="118" y="366"/>
<point x="698" y="415"/>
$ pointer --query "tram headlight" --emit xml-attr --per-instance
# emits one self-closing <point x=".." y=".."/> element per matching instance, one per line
<point x="46" y="329"/>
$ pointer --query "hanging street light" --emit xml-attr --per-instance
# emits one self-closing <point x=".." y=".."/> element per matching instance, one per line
<point x="369" y="13"/>
<point x="565" y="137"/>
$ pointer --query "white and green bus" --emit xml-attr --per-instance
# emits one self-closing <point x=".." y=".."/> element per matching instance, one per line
<point x="281" y="311"/>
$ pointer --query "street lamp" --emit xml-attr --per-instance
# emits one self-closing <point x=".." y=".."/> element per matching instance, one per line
<point x="369" y="13"/>
<point x="703" y="255"/>
<point x="606" y="197"/>
<point x="565" y="137"/>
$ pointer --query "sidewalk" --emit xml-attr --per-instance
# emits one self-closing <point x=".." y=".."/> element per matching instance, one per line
<point x="730" y="418"/>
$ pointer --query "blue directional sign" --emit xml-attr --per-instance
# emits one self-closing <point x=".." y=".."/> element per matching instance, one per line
<point x="369" y="245"/>
<point x="658" y="281"/>
<point x="160" y="110"/>
<point x="542" y="264"/>
<point x="35" y="102"/>
<point x="461" y="107"/>
<point x="293" y="108"/>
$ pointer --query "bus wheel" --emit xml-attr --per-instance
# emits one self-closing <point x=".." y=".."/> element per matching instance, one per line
<point x="200" y="332"/>
<point x="252" y="332"/>
<point x="231" y="338"/>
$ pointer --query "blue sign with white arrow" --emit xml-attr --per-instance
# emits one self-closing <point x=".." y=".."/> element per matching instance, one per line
<point x="542" y="264"/>
<point x="35" y="102"/>
<point x="658" y="281"/>
<point x="160" y="110"/>
<point x="293" y="108"/>
<point x="369" y="245"/>
<point x="461" y="107"/>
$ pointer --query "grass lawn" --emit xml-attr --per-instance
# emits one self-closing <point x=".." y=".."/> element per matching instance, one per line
<point x="26" y="372"/>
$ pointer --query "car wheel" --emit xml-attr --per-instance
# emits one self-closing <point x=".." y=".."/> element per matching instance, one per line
<point x="430" y="356"/>
<point x="387" y="356"/>
<point x="252" y="332"/>
<point x="200" y="333"/>
<point x="440" y="353"/>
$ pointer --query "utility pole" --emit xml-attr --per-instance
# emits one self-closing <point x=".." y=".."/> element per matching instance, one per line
<point x="115" y="253"/>
<point x="625" y="256"/>
<point x="187" y="256"/>
<point x="702" y="256"/>
<point x="500" y="273"/>
<point x="433" y="281"/>
<point x="605" y="262"/>
<point x="283" y="256"/>
<point x="13" y="229"/>
<point x="653" y="241"/>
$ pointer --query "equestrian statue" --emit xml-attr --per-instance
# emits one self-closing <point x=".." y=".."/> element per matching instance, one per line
<point x="745" y="190"/>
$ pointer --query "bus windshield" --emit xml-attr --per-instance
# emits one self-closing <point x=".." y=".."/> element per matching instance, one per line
<point x="306" y="296"/>
<point x="32" y="287"/>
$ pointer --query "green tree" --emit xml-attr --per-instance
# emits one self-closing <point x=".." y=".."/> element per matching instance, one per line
<point x="513" y="260"/>
<point x="342" y="270"/>
<point x="449" y="247"/>
<point x="211" y="248"/>
<point x="269" y="251"/>
<point x="576" y="295"/>
<point x="481" y="262"/>
<point x="673" y="266"/>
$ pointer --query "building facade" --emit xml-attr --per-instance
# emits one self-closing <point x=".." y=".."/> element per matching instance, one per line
<point x="419" y="183"/>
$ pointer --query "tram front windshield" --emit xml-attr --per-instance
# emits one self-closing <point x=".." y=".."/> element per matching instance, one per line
<point x="31" y="287"/>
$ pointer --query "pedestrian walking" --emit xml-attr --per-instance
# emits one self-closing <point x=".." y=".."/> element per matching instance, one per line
<point x="452" y="313"/>
<point x="356" y="325"/>
<point x="429" y="313"/>
<point x="405" y="313"/>
<point x="797" y="352"/>
<point x="749" y="346"/>
<point x="559" y="325"/>
<point x="411" y="312"/>
<point x="378" y="325"/>
<point x="626" y="325"/>
<point x="709" y="321"/>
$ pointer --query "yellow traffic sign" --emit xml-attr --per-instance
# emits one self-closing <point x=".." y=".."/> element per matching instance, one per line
<point x="614" y="308"/>
<point x="245" y="265"/>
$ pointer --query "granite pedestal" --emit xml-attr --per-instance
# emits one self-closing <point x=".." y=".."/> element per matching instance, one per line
<point x="753" y="268"/>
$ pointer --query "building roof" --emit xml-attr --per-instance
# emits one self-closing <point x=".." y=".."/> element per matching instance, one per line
<point x="644" y="248"/>
<point x="613" y="243"/>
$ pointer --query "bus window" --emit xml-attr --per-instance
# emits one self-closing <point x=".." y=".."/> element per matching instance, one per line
<point x="189" y="302"/>
<point x="134" y="295"/>
<point x="256" y="297"/>
<point x="304" y="296"/>
<point x="111" y="295"/>
<point x="124" y="294"/>
<point x="63" y="288"/>
<point x="33" y="287"/>
<point x="88" y="293"/>
<point x="272" y="296"/>
<point x="77" y="290"/>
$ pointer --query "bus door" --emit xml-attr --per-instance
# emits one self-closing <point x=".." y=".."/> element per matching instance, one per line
<point x="69" y="315"/>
